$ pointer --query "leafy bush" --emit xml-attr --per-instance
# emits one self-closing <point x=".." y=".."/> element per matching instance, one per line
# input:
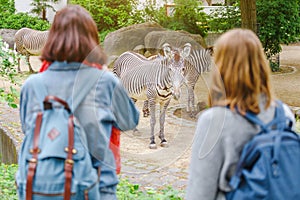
<point x="12" y="20"/>
<point x="40" y="7"/>
<point x="275" y="66"/>
<point x="186" y="16"/>
<point x="20" y="20"/>
<point x="279" y="23"/>
<point x="111" y="15"/>
<point x="8" y="61"/>
<point x="7" y="6"/>
<point x="125" y="190"/>
<point x="7" y="182"/>
<point x="225" y="18"/>
<point x="128" y="191"/>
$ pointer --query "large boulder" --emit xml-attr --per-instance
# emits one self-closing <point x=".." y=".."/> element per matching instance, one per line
<point x="128" y="38"/>
<point x="155" y="39"/>
<point x="197" y="37"/>
<point x="147" y="39"/>
<point x="8" y="36"/>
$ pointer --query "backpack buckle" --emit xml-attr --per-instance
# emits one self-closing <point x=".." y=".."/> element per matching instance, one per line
<point x="33" y="160"/>
<point x="35" y="150"/>
<point x="69" y="161"/>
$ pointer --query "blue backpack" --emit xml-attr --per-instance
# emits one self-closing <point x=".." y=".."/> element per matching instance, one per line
<point x="54" y="161"/>
<point x="269" y="166"/>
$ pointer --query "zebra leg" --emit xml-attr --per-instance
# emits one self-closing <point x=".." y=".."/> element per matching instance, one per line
<point x="136" y="132"/>
<point x="163" y="109"/>
<point x="152" y="123"/>
<point x="28" y="63"/>
<point x="146" y="108"/>
<point x="19" y="68"/>
<point x="191" y="102"/>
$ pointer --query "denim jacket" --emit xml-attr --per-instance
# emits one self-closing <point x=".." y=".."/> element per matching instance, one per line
<point x="106" y="105"/>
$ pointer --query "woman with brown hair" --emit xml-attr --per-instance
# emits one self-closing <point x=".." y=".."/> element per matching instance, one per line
<point x="71" y="50"/>
<point x="240" y="83"/>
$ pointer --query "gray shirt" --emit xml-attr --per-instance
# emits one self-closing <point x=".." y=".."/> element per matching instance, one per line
<point x="219" y="138"/>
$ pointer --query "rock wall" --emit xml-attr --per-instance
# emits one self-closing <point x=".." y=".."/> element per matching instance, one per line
<point x="146" y="38"/>
<point x="8" y="36"/>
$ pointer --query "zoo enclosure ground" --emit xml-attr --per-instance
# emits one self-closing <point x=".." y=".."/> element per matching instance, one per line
<point x="169" y="166"/>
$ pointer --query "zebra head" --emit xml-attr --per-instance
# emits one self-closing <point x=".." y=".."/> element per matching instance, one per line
<point x="176" y="58"/>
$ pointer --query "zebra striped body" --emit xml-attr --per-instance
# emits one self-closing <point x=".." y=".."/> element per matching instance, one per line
<point x="197" y="63"/>
<point x="29" y="42"/>
<point x="156" y="80"/>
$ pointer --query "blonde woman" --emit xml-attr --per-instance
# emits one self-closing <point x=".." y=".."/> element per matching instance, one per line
<point x="240" y="81"/>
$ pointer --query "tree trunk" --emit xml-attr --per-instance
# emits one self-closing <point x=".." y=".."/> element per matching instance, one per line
<point x="44" y="14"/>
<point x="248" y="14"/>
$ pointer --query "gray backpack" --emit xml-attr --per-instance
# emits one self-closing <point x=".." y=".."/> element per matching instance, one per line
<point x="54" y="161"/>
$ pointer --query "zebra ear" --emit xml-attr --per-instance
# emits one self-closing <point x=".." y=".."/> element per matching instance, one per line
<point x="167" y="50"/>
<point x="186" y="50"/>
<point x="210" y="49"/>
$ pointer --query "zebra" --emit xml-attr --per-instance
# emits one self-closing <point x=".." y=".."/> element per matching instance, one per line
<point x="198" y="62"/>
<point x="29" y="42"/>
<point x="156" y="80"/>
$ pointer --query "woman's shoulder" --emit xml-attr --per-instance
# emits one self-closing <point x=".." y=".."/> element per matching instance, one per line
<point x="107" y="75"/>
<point x="216" y="112"/>
<point x="224" y="120"/>
<point x="32" y="80"/>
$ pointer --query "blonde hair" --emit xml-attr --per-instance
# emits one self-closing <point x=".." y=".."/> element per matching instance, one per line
<point x="242" y="73"/>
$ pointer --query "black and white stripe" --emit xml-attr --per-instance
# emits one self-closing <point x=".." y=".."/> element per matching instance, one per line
<point x="197" y="63"/>
<point x="29" y="42"/>
<point x="155" y="80"/>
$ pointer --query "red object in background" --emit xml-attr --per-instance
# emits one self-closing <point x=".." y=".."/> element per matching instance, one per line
<point x="114" y="143"/>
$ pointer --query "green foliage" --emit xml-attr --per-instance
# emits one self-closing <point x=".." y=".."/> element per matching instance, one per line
<point x="12" y="20"/>
<point x="128" y="191"/>
<point x="7" y="182"/>
<point x="275" y="66"/>
<point x="8" y="61"/>
<point x="20" y="20"/>
<point x="40" y="6"/>
<point x="186" y="16"/>
<point x="125" y="189"/>
<point x="279" y="22"/>
<point x="7" y="6"/>
<point x="111" y="15"/>
<point x="225" y="18"/>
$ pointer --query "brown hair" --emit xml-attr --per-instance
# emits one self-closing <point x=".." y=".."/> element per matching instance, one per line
<point x="73" y="37"/>
<point x="242" y="73"/>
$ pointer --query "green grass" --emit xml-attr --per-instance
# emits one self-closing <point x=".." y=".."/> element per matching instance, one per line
<point x="125" y="191"/>
<point x="7" y="182"/>
<point x="128" y="191"/>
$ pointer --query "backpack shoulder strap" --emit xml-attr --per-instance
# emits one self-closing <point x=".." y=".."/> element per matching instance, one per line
<point x="279" y="119"/>
<point x="85" y="80"/>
